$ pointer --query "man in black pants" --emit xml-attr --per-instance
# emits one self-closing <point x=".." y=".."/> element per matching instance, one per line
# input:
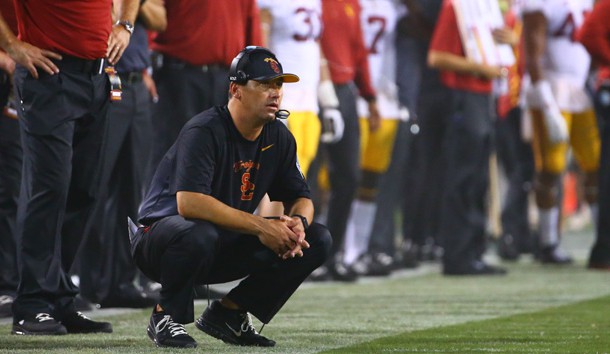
<point x="198" y="226"/>
<point x="62" y="95"/>
<point x="10" y="178"/>
<point x="107" y="271"/>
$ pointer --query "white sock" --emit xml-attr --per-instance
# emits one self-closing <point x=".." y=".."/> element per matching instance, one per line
<point x="358" y="232"/>
<point x="594" y="214"/>
<point x="350" y="252"/>
<point x="548" y="220"/>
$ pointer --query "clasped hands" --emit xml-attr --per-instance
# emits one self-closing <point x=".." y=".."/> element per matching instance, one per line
<point x="285" y="236"/>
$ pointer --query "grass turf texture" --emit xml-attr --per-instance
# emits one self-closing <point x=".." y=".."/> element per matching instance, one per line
<point x="535" y="309"/>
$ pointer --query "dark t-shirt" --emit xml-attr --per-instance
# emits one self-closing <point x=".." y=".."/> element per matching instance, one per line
<point x="211" y="157"/>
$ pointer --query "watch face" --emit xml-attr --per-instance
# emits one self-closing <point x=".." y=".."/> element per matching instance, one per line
<point x="128" y="25"/>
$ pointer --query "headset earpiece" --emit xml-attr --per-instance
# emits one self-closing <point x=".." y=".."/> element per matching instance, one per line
<point x="239" y="76"/>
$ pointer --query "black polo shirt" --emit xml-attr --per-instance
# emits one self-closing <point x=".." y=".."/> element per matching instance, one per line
<point x="211" y="157"/>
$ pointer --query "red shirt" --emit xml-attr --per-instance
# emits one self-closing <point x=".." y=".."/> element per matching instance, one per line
<point x="343" y="45"/>
<point x="79" y="28"/>
<point x="8" y="13"/>
<point x="447" y="39"/>
<point x="205" y="32"/>
<point x="595" y="32"/>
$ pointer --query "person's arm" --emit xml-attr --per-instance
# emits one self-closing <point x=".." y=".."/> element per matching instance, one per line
<point x="25" y="54"/>
<point x="302" y="207"/>
<point x="124" y="10"/>
<point x="273" y="233"/>
<point x="457" y="63"/>
<point x="534" y="31"/>
<point x="154" y="15"/>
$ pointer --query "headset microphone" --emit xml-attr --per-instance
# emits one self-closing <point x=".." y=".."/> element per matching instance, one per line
<point x="282" y="114"/>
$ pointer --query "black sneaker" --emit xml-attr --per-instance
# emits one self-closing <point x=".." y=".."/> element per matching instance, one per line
<point x="231" y="326"/>
<point x="381" y="264"/>
<point x="554" y="255"/>
<point x="320" y="274"/>
<point x="166" y="333"/>
<point x="38" y="324"/>
<point x="76" y="322"/>
<point x="344" y="273"/>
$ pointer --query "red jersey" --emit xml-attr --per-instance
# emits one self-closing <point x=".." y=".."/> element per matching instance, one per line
<point x="79" y="28"/>
<point x="205" y="32"/>
<point x="343" y="45"/>
<point x="595" y="32"/>
<point x="447" y="39"/>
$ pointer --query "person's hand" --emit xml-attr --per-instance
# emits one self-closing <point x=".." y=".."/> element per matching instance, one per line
<point x="296" y="225"/>
<point x="117" y="43"/>
<point x="556" y="127"/>
<point x="278" y="236"/>
<point x="505" y="36"/>
<point x="555" y="123"/>
<point x="491" y="72"/>
<point x="150" y="86"/>
<point x="332" y="126"/>
<point x="32" y="57"/>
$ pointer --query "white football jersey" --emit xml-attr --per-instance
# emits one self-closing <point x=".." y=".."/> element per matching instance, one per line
<point x="564" y="58"/>
<point x="378" y="21"/>
<point x="294" y="36"/>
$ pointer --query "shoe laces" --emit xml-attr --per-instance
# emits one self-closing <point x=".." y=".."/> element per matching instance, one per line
<point x="41" y="317"/>
<point x="246" y="324"/>
<point x="175" y="329"/>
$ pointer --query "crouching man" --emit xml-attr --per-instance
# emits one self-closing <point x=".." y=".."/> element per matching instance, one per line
<point x="197" y="221"/>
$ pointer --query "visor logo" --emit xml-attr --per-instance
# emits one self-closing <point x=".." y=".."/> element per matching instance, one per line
<point x="274" y="65"/>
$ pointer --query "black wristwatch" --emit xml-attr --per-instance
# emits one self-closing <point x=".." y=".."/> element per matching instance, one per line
<point x="127" y="24"/>
<point x="303" y="220"/>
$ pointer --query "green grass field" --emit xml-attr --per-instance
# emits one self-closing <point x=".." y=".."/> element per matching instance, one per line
<point x="535" y="309"/>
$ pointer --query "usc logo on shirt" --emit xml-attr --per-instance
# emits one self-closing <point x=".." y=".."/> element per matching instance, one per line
<point x="247" y="187"/>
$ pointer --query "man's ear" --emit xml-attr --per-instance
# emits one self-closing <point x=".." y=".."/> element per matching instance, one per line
<point x="235" y="90"/>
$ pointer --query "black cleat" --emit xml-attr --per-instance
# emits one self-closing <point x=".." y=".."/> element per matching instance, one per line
<point x="320" y="274"/>
<point x="507" y="248"/>
<point x="343" y="273"/>
<point x="76" y="322"/>
<point x="474" y="268"/>
<point x="166" y="333"/>
<point x="231" y="326"/>
<point x="554" y="255"/>
<point x="38" y="324"/>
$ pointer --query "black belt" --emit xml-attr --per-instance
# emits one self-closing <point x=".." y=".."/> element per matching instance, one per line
<point x="131" y="77"/>
<point x="74" y="64"/>
<point x="161" y="60"/>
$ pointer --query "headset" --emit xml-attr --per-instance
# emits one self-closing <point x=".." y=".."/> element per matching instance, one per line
<point x="239" y="76"/>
